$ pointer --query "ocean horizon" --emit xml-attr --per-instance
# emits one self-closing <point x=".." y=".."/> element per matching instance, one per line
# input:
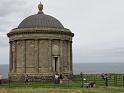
<point x="86" y="68"/>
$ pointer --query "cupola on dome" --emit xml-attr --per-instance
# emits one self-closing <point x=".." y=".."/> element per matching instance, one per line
<point x="40" y="20"/>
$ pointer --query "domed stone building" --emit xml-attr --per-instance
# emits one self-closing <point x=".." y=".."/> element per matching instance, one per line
<point x="40" y="46"/>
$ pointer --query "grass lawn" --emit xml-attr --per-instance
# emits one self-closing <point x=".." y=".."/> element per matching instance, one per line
<point x="115" y="86"/>
<point x="62" y="90"/>
<point x="55" y="88"/>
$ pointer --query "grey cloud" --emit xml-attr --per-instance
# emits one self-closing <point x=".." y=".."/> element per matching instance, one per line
<point x="4" y="55"/>
<point x="13" y="12"/>
<point x="8" y="7"/>
<point x="98" y="25"/>
<point x="99" y="55"/>
<point x="4" y="41"/>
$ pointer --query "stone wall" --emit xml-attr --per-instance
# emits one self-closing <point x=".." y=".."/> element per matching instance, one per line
<point x="43" y="56"/>
<point x="35" y="54"/>
<point x="19" y="56"/>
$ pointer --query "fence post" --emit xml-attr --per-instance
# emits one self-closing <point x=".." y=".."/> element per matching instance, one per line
<point x="123" y="80"/>
<point x="115" y="79"/>
<point x="82" y="76"/>
<point x="94" y="78"/>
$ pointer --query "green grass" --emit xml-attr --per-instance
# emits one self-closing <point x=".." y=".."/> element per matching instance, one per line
<point x="63" y="90"/>
<point x="40" y="85"/>
<point x="113" y="79"/>
<point x="115" y="86"/>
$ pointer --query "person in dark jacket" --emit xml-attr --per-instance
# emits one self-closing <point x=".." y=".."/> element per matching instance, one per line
<point x="26" y="78"/>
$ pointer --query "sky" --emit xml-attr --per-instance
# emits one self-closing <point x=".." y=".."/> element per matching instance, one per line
<point x="98" y="26"/>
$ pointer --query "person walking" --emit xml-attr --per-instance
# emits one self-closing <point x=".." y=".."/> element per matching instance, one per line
<point x="0" y="79"/>
<point x="60" y="78"/>
<point x="56" y="77"/>
<point x="26" y="78"/>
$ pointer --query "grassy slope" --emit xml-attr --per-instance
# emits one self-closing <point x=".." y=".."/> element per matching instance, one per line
<point x="73" y="87"/>
<point x="62" y="90"/>
<point x="113" y="79"/>
<point x="55" y="88"/>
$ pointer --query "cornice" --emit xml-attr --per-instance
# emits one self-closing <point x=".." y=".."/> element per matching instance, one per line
<point x="18" y="31"/>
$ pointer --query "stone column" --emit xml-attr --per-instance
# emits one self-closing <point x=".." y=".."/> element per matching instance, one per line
<point x="61" y="56"/>
<point x="59" y="65"/>
<point x="36" y="56"/>
<point x="69" y="59"/>
<point x="50" y="55"/>
<point x="14" y="56"/>
<point x="24" y="56"/>
<point x="10" y="58"/>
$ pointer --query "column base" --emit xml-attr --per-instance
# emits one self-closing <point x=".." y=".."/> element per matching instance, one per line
<point x="32" y="77"/>
<point x="44" y="77"/>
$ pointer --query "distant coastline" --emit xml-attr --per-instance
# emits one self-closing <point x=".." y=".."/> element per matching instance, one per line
<point x="87" y="68"/>
<point x="96" y="68"/>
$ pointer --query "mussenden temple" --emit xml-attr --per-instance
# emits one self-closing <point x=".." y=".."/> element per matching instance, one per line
<point x="40" y="46"/>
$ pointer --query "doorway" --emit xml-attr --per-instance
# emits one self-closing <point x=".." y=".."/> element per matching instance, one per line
<point x="56" y="64"/>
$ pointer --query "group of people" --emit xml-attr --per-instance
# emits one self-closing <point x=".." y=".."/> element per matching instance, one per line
<point x="86" y="84"/>
<point x="89" y="85"/>
<point x="92" y="85"/>
<point x="58" y="78"/>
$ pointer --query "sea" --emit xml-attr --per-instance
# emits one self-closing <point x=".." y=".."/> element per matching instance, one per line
<point x="86" y="68"/>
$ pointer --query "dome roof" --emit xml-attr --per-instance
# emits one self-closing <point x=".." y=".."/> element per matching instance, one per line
<point x="40" y="20"/>
<point x="40" y="23"/>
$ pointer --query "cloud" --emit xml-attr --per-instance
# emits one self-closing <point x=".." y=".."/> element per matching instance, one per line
<point x="12" y="13"/>
<point x="4" y="55"/>
<point x="4" y="41"/>
<point x="8" y="7"/>
<point x="99" y="55"/>
<point x="98" y="25"/>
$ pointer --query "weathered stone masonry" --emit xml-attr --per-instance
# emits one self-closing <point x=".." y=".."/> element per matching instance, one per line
<point x="40" y="51"/>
